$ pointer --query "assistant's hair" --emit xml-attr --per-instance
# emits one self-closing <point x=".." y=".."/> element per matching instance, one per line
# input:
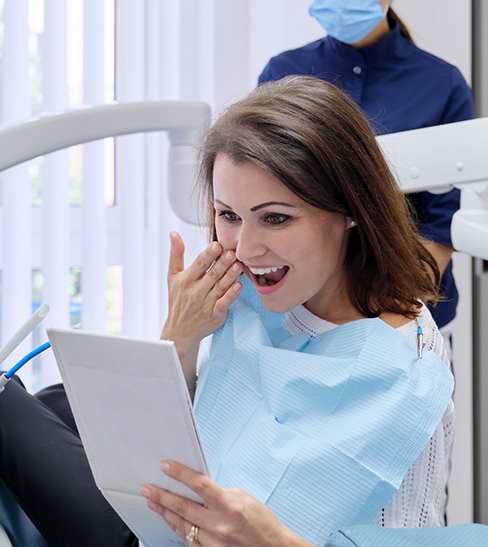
<point x="310" y="136"/>
<point x="392" y="15"/>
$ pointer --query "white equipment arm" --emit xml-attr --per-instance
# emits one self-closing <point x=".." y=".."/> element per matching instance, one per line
<point x="54" y="131"/>
<point x="441" y="158"/>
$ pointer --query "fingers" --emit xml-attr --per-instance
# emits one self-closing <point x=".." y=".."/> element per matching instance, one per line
<point x="230" y="296"/>
<point x="176" y="256"/>
<point x="216" y="272"/>
<point x="178" y="524"/>
<point x="202" y="485"/>
<point x="201" y="295"/>
<point x="204" y="261"/>
<point x="223" y="274"/>
<point x="164" y="503"/>
<point x="174" y="521"/>
<point x="208" y="263"/>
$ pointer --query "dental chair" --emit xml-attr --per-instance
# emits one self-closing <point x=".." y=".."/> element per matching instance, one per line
<point x="17" y="529"/>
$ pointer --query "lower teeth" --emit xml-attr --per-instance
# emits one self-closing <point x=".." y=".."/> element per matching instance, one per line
<point x="262" y="280"/>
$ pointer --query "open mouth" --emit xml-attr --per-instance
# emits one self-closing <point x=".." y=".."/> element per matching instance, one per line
<point x="267" y="277"/>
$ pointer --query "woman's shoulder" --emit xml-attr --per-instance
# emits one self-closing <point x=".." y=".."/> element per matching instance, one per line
<point x="395" y="320"/>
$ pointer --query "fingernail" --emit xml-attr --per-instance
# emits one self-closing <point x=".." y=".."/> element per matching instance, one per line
<point x="229" y="256"/>
<point x="215" y="247"/>
<point x="145" y="492"/>
<point x="237" y="287"/>
<point x="152" y="505"/>
<point x="236" y="267"/>
<point x="165" y="467"/>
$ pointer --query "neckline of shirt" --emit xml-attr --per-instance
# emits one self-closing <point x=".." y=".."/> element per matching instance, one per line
<point x="299" y="319"/>
<point x="385" y="48"/>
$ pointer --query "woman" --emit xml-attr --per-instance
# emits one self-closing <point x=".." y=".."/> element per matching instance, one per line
<point x="370" y="55"/>
<point x="302" y="202"/>
<point x="314" y="407"/>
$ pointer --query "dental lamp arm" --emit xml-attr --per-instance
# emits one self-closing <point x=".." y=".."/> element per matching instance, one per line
<point x="438" y="159"/>
<point x="53" y="131"/>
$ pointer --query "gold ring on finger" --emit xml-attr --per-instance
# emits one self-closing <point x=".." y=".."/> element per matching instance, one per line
<point x="193" y="534"/>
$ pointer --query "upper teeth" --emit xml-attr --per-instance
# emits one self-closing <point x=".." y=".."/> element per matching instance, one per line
<point x="262" y="271"/>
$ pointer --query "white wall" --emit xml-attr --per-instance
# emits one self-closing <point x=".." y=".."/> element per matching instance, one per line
<point x="441" y="27"/>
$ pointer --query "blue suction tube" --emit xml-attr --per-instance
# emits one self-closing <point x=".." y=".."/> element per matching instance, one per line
<point x="6" y="377"/>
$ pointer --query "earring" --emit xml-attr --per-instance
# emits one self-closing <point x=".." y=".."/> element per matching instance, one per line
<point x="353" y="223"/>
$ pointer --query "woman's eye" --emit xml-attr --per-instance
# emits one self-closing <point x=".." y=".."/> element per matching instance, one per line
<point x="276" y="219"/>
<point x="228" y="216"/>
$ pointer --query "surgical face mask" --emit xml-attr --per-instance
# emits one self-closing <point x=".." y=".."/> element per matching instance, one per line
<point x="348" y="21"/>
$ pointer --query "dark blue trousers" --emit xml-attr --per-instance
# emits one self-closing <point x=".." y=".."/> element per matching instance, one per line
<point x="43" y="464"/>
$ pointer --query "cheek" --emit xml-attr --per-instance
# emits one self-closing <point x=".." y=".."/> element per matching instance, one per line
<point x="325" y="250"/>
<point x="225" y="237"/>
<point x="333" y="249"/>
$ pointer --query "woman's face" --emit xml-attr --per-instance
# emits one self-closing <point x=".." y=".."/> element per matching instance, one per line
<point x="292" y="252"/>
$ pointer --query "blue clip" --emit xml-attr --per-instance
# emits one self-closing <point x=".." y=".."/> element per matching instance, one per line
<point x="420" y="341"/>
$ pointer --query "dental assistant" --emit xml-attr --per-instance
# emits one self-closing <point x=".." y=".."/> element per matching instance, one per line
<point x="369" y="54"/>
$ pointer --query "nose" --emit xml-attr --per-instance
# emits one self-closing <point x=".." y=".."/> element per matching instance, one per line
<point x="249" y="244"/>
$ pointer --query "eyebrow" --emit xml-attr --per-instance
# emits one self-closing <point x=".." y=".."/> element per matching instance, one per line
<point x="268" y="203"/>
<point x="261" y="206"/>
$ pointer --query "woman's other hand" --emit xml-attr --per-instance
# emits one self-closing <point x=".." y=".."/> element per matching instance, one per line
<point x="198" y="298"/>
<point x="230" y="517"/>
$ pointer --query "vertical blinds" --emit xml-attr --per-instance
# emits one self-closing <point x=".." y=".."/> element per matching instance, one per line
<point x="60" y="54"/>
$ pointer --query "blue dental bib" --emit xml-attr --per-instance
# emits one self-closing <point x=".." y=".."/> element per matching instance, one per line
<point x="321" y="430"/>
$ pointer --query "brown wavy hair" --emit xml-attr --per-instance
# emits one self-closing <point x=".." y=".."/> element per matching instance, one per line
<point x="309" y="135"/>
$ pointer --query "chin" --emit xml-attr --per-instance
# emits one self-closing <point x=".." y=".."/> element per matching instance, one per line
<point x="276" y="307"/>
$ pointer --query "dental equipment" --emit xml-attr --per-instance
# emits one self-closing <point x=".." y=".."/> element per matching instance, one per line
<point x="182" y="120"/>
<point x="6" y="377"/>
<point x="438" y="159"/>
<point x="16" y="340"/>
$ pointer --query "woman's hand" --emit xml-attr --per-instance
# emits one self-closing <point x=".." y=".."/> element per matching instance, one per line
<point x="198" y="298"/>
<point x="230" y="517"/>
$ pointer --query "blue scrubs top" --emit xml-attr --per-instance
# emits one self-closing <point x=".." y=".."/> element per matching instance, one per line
<point x="399" y="87"/>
